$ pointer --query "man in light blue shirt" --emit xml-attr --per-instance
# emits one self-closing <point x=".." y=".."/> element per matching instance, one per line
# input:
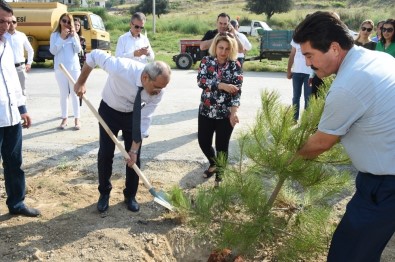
<point x="360" y="112"/>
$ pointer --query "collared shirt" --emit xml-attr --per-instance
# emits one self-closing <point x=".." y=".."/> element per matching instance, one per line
<point x="127" y="44"/>
<point x="65" y="51"/>
<point x="12" y="102"/>
<point x="360" y="108"/>
<point x="244" y="41"/>
<point x="124" y="78"/>
<point x="20" y="43"/>
<point x="299" y="65"/>
<point x="389" y="50"/>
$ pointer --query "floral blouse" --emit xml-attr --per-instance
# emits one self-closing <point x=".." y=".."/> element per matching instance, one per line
<point x="215" y="103"/>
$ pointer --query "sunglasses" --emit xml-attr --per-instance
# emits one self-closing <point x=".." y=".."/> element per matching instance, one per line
<point x="138" y="27"/>
<point x="227" y="34"/>
<point x="366" y="29"/>
<point x="14" y="22"/>
<point x="387" y="29"/>
<point x="65" y="21"/>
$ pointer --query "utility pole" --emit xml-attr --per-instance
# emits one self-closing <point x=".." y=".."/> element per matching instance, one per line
<point x="154" y="17"/>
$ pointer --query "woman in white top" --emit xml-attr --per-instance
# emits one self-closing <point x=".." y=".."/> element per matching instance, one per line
<point x="65" y="46"/>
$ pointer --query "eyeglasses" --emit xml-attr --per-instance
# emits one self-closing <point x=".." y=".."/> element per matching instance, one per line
<point x="227" y="34"/>
<point x="65" y="21"/>
<point x="366" y="28"/>
<point x="387" y="29"/>
<point x="138" y="27"/>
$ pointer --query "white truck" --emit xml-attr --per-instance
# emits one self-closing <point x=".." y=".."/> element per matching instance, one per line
<point x="255" y="29"/>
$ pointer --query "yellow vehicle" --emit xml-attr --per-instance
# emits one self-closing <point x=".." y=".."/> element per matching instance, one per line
<point x="39" y="20"/>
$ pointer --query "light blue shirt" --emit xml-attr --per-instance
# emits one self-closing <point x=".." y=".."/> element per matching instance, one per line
<point x="360" y="108"/>
<point x="124" y="78"/>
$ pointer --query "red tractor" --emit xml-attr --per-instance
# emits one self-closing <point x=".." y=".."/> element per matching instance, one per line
<point x="190" y="53"/>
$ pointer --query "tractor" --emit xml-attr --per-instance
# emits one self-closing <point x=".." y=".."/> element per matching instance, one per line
<point x="190" y="53"/>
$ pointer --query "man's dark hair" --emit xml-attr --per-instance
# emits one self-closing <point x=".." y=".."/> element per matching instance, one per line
<point x="223" y="15"/>
<point x="139" y="16"/>
<point x="4" y="5"/>
<point x="321" y="29"/>
<point x="234" y="23"/>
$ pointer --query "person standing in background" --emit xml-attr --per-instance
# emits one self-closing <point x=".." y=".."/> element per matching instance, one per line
<point x="377" y="37"/>
<point x="244" y="41"/>
<point x="12" y="110"/>
<point x="19" y="44"/>
<point x="387" y="40"/>
<point x="82" y="54"/>
<point x="300" y="74"/>
<point x="363" y="38"/>
<point x="65" y="46"/>
<point x="134" y="44"/>
<point x="223" y="25"/>
<point x="220" y="77"/>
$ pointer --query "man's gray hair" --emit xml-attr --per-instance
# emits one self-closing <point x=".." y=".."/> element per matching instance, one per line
<point x="139" y="16"/>
<point x="156" y="69"/>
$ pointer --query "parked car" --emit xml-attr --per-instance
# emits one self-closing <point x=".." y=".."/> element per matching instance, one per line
<point x="255" y="29"/>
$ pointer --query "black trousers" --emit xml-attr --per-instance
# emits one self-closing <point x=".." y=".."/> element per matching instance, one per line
<point x="206" y="129"/>
<point x="368" y="223"/>
<point x="116" y="121"/>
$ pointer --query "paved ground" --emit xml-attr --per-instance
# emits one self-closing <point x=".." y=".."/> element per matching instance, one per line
<point x="173" y="134"/>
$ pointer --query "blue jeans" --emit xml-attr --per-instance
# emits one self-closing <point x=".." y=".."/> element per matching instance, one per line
<point x="14" y="177"/>
<point x="116" y="121"/>
<point x="299" y="80"/>
<point x="368" y="223"/>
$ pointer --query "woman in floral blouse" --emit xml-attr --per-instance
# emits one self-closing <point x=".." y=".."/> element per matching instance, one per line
<point x="220" y="77"/>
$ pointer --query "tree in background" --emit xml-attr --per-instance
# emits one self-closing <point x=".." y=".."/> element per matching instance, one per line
<point x="271" y="198"/>
<point x="268" y="7"/>
<point x="161" y="7"/>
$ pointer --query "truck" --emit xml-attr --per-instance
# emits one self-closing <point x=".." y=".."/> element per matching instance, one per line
<point x="39" y="20"/>
<point x="274" y="45"/>
<point x="255" y="29"/>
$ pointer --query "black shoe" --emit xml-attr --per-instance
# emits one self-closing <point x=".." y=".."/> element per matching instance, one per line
<point x="26" y="211"/>
<point x="102" y="204"/>
<point x="132" y="204"/>
<point x="218" y="180"/>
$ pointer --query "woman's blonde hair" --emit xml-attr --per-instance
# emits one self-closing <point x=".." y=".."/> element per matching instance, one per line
<point x="227" y="37"/>
<point x="367" y="21"/>
<point x="59" y="27"/>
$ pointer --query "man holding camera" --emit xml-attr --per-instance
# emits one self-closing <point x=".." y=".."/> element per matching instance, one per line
<point x="223" y="26"/>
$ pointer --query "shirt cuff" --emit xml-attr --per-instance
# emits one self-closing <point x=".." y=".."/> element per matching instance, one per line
<point x="22" y="110"/>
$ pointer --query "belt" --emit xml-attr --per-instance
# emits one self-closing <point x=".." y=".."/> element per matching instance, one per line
<point x="19" y="64"/>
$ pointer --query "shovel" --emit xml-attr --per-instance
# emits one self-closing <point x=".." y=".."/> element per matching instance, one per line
<point x="159" y="197"/>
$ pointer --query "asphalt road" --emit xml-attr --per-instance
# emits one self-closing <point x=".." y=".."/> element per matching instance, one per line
<point x="173" y="134"/>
